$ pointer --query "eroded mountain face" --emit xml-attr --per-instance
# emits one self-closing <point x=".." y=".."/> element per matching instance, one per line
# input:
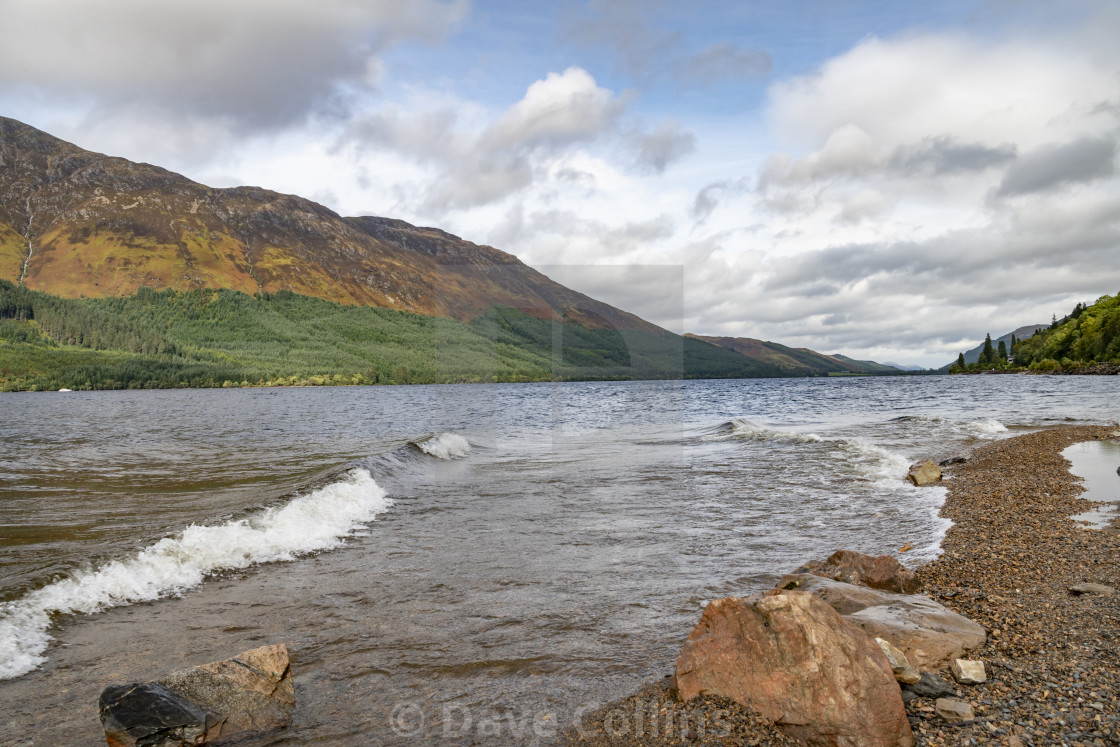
<point x="76" y="223"/>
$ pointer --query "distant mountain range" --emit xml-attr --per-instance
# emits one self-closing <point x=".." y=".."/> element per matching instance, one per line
<point x="798" y="361"/>
<point x="80" y="225"/>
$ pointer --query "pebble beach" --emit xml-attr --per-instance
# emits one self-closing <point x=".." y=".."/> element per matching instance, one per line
<point x="1009" y="562"/>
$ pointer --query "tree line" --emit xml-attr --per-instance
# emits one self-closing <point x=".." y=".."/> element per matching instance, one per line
<point x="1088" y="335"/>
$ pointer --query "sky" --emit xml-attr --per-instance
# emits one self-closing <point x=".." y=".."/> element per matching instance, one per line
<point x="887" y="180"/>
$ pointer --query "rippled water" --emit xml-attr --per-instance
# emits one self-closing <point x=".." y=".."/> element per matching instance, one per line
<point x="500" y="555"/>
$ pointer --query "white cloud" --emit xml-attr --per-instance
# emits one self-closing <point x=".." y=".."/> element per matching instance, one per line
<point x="250" y="64"/>
<point x="903" y="90"/>
<point x="476" y="167"/>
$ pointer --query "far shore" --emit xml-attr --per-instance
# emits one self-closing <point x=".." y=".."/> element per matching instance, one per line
<point x="1008" y="562"/>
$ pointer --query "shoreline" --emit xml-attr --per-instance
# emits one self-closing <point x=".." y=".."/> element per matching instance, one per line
<point x="1053" y="658"/>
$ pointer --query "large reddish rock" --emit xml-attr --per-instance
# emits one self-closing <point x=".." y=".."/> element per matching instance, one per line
<point x="792" y="658"/>
<point x="930" y="634"/>
<point x="202" y="705"/>
<point x="882" y="572"/>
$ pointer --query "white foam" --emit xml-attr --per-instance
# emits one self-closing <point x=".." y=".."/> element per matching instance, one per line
<point x="445" y="446"/>
<point x="987" y="428"/>
<point x="875" y="462"/>
<point x="319" y="520"/>
<point x="741" y="428"/>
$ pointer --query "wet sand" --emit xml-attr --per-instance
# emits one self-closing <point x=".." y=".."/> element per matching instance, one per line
<point x="1009" y="561"/>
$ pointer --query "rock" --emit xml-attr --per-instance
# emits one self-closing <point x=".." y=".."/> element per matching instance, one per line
<point x="952" y="710"/>
<point x="792" y="658"/>
<point x="882" y="572"/>
<point x="968" y="671"/>
<point x="150" y="714"/>
<point x="924" y="473"/>
<point x="903" y="672"/>
<point x="250" y="692"/>
<point x="952" y="460"/>
<point x="931" y="686"/>
<point x="928" y="633"/>
<point x="1079" y="589"/>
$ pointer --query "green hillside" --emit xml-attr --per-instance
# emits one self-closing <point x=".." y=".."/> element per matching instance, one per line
<point x="1089" y="335"/>
<point x="206" y="338"/>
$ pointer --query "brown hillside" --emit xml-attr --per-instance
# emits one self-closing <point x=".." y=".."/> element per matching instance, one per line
<point x="102" y="226"/>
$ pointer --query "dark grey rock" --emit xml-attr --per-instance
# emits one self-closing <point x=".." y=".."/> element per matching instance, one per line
<point x="931" y="686"/>
<point x="149" y="714"/>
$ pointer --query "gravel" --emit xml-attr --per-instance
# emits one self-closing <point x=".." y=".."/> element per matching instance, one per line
<point x="1009" y="560"/>
<point x="1008" y="563"/>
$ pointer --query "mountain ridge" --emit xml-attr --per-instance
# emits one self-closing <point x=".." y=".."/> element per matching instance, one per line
<point x="76" y="223"/>
<point x="796" y="361"/>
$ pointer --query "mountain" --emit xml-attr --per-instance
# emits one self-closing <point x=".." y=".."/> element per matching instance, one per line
<point x="76" y="224"/>
<point x="903" y="367"/>
<point x="795" y="361"/>
<point x="869" y="367"/>
<point x="1022" y="333"/>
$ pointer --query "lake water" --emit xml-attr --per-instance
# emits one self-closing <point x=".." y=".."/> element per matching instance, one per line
<point x="1097" y="463"/>
<point x="449" y="564"/>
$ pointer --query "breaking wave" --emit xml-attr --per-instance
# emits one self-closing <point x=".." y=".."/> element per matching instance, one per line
<point x="319" y="520"/>
<point x="444" y="446"/>
<point x="741" y="428"/>
<point x="988" y="428"/>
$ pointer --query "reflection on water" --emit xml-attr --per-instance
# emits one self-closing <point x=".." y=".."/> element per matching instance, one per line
<point x="546" y="546"/>
<point x="1097" y="464"/>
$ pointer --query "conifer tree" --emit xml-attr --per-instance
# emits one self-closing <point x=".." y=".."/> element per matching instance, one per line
<point x="987" y="355"/>
<point x="1001" y="351"/>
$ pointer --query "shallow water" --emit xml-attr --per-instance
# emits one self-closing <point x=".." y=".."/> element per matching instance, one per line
<point x="1097" y="463"/>
<point x="501" y="555"/>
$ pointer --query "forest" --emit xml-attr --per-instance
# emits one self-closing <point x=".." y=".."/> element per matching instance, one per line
<point x="1088" y="336"/>
<point x="224" y="338"/>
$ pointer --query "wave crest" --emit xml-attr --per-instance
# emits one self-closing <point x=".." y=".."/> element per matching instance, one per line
<point x="444" y="446"/>
<point x="320" y="520"/>
<point x="741" y="428"/>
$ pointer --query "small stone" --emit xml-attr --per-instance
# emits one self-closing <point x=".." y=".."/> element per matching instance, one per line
<point x="931" y="686"/>
<point x="1079" y="589"/>
<point x="924" y="473"/>
<point x="952" y="710"/>
<point x="1014" y="741"/>
<point x="968" y="671"/>
<point x="900" y="665"/>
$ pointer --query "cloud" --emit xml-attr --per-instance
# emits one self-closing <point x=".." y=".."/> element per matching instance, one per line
<point x="475" y="167"/>
<point x="1083" y="160"/>
<point x="709" y="196"/>
<point x="864" y="205"/>
<point x="629" y="31"/>
<point x="944" y="154"/>
<point x="848" y="152"/>
<point x="623" y="27"/>
<point x="251" y="65"/>
<point x="669" y="142"/>
<point x="722" y="60"/>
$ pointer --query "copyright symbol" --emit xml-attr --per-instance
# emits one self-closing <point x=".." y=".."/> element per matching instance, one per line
<point x="406" y="719"/>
